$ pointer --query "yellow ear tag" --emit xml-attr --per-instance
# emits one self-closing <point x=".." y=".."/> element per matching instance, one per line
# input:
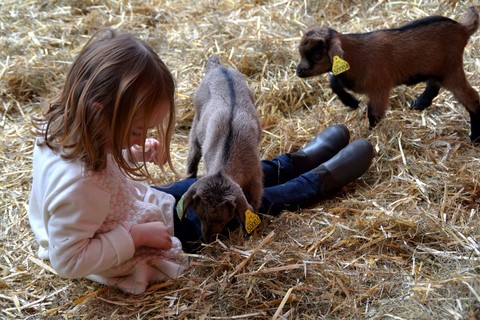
<point x="339" y="65"/>
<point x="252" y="221"/>
<point x="180" y="207"/>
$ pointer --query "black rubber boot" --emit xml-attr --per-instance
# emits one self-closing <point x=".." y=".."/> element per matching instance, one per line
<point x="323" y="147"/>
<point x="346" y="166"/>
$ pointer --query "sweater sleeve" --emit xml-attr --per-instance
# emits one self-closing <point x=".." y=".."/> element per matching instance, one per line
<point x="75" y="250"/>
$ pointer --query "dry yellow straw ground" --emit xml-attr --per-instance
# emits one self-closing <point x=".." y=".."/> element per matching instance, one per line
<point x="400" y="243"/>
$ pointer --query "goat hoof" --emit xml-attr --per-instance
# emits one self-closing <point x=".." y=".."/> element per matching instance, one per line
<point x="475" y="140"/>
<point x="373" y="121"/>
<point x="354" y="104"/>
<point x="418" y="105"/>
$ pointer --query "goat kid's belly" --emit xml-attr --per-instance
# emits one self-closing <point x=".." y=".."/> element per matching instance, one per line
<point x="381" y="81"/>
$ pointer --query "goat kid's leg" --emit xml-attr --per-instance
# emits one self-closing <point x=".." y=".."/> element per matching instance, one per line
<point x="338" y="88"/>
<point x="475" y="126"/>
<point x="425" y="99"/>
<point x="257" y="198"/>
<point x="470" y="98"/>
<point x="377" y="107"/>
<point x="194" y="156"/>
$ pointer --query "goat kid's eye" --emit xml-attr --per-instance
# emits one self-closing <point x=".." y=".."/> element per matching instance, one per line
<point x="317" y="55"/>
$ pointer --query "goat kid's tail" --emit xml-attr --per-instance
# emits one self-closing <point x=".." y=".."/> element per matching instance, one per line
<point x="470" y="20"/>
<point x="213" y="62"/>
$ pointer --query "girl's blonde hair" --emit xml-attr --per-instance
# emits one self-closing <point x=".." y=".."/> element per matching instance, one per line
<point x="114" y="77"/>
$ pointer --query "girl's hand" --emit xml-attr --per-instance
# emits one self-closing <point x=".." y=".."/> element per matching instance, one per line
<point x="152" y="147"/>
<point x="151" y="234"/>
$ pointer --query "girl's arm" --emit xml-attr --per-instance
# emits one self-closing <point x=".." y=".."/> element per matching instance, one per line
<point x="75" y="247"/>
<point x="75" y="250"/>
<point x="151" y="234"/>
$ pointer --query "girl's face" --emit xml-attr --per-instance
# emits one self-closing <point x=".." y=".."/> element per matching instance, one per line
<point x="138" y="132"/>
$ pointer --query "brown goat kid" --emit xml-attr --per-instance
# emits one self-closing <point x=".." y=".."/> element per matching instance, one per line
<point x="425" y="50"/>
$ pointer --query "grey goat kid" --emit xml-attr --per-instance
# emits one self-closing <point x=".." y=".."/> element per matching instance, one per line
<point x="226" y="133"/>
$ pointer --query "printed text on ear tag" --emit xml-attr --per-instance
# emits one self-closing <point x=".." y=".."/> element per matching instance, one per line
<point x="339" y="65"/>
<point x="180" y="208"/>
<point x="252" y="221"/>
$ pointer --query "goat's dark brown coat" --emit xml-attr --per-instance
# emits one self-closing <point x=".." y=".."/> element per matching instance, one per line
<point x="428" y="49"/>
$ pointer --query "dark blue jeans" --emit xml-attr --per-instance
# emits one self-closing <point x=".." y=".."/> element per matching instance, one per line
<point x="284" y="189"/>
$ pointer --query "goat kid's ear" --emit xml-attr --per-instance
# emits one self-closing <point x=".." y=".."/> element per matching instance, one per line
<point x="189" y="199"/>
<point x="335" y="48"/>
<point x="241" y="206"/>
<point x="231" y="202"/>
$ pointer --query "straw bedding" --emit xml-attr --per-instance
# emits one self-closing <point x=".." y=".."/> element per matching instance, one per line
<point x="402" y="242"/>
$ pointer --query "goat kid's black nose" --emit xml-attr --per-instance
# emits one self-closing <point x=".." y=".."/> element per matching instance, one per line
<point x="300" y="72"/>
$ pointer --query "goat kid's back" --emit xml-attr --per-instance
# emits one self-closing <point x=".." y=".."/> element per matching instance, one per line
<point x="226" y="123"/>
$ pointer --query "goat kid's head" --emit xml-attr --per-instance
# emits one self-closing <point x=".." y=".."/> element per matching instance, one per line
<point x="317" y="48"/>
<point x="216" y="200"/>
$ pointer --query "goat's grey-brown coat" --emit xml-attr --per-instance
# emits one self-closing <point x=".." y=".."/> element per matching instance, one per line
<point x="226" y="133"/>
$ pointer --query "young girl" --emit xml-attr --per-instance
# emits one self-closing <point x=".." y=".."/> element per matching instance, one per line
<point x="92" y="214"/>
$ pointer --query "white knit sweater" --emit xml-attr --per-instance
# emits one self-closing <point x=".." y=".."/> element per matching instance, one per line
<point x="81" y="220"/>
